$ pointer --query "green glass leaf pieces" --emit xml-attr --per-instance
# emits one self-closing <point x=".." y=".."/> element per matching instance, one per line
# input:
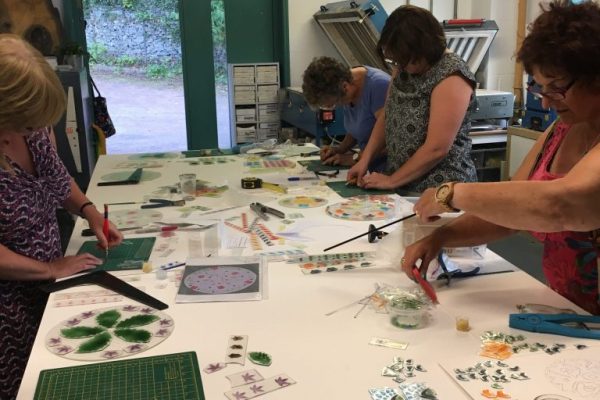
<point x="260" y="358"/>
<point x="80" y="332"/>
<point x="97" y="343"/>
<point x="133" y="335"/>
<point x="137" y="320"/>
<point x="108" y="318"/>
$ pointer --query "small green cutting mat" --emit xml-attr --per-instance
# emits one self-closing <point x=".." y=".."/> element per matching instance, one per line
<point x="317" y="166"/>
<point x="170" y="376"/>
<point x="207" y="153"/>
<point x="352" y="190"/>
<point x="130" y="254"/>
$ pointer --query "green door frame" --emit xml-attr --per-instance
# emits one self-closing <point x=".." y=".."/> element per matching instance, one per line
<point x="198" y="73"/>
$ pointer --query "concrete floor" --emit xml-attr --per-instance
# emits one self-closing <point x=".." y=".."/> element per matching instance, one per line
<point x="149" y="115"/>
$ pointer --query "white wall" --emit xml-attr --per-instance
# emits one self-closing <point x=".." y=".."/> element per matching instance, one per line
<point x="308" y="41"/>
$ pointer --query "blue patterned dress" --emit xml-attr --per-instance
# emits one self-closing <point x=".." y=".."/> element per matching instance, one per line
<point x="28" y="226"/>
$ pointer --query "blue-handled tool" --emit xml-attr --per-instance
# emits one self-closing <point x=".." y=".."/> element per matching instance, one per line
<point x="554" y="323"/>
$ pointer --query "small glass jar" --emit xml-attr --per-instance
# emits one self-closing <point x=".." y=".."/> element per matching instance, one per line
<point x="407" y="318"/>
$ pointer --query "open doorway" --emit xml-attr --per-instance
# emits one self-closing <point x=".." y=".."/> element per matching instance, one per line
<point x="135" y="60"/>
<point x="135" y="49"/>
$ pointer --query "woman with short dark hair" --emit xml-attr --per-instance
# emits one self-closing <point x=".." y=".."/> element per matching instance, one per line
<point x="361" y="92"/>
<point x="427" y="115"/>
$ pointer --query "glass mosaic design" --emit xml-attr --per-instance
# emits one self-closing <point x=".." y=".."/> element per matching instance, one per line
<point x="109" y="333"/>
<point x="303" y="202"/>
<point x="363" y="208"/>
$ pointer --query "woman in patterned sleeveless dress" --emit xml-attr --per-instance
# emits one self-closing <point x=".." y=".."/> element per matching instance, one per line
<point x="33" y="184"/>
<point x="426" y="120"/>
<point x="556" y="192"/>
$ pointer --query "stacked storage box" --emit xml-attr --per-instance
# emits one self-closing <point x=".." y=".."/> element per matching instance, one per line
<point x="254" y="108"/>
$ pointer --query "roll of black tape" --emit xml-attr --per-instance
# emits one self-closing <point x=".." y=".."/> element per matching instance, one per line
<point x="251" y="183"/>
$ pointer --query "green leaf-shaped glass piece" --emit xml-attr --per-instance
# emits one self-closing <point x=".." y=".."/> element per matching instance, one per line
<point x="137" y="320"/>
<point x="80" y="332"/>
<point x="97" y="343"/>
<point x="260" y="358"/>
<point x="108" y="318"/>
<point x="133" y="335"/>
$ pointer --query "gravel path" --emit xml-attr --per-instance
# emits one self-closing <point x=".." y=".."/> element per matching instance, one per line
<point x="149" y="115"/>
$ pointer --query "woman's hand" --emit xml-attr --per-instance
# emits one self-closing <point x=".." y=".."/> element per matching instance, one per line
<point x="357" y="172"/>
<point x="376" y="180"/>
<point x="340" y="159"/>
<point x="328" y="152"/>
<point x="70" y="265"/>
<point x="425" y="250"/>
<point x="96" y="222"/>
<point x="427" y="209"/>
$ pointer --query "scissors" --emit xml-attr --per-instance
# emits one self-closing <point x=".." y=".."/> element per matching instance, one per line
<point x="554" y="323"/>
<point x="456" y="273"/>
<point x="158" y="203"/>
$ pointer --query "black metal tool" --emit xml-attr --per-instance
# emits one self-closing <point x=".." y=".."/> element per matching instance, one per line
<point x="268" y="210"/>
<point x="158" y="203"/>
<point x="311" y="153"/>
<point x="375" y="234"/>
<point x="108" y="281"/>
<point x="371" y="231"/>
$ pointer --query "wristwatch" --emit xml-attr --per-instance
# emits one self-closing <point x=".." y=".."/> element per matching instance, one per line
<point x="443" y="196"/>
<point x="356" y="157"/>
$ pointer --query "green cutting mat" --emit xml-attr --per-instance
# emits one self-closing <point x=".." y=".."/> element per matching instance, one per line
<point x="317" y="166"/>
<point x="130" y="254"/>
<point x="352" y="190"/>
<point x="207" y="153"/>
<point x="170" y="376"/>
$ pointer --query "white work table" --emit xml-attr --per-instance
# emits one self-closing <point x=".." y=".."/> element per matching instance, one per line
<point x="328" y="356"/>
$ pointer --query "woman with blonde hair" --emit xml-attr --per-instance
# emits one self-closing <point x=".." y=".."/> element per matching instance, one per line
<point x="33" y="184"/>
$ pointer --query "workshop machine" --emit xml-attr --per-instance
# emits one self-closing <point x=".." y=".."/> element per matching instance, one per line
<point x="354" y="30"/>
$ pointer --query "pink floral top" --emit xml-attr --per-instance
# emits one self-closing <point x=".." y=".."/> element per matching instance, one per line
<point x="569" y="259"/>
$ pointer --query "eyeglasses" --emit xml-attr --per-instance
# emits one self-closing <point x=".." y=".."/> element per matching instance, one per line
<point x="391" y="62"/>
<point x="555" y="94"/>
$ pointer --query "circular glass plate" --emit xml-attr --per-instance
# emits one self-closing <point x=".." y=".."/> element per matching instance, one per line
<point x="220" y="280"/>
<point x="363" y="208"/>
<point x="109" y="333"/>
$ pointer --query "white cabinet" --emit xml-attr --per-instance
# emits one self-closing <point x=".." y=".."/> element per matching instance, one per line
<point x="254" y="102"/>
<point x="520" y="141"/>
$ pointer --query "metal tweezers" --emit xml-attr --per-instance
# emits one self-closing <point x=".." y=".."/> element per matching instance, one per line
<point x="158" y="203"/>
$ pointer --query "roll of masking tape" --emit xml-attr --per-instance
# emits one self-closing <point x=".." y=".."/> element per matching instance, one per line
<point x="251" y="183"/>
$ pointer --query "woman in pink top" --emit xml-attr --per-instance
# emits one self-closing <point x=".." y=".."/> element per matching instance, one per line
<point x="556" y="191"/>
